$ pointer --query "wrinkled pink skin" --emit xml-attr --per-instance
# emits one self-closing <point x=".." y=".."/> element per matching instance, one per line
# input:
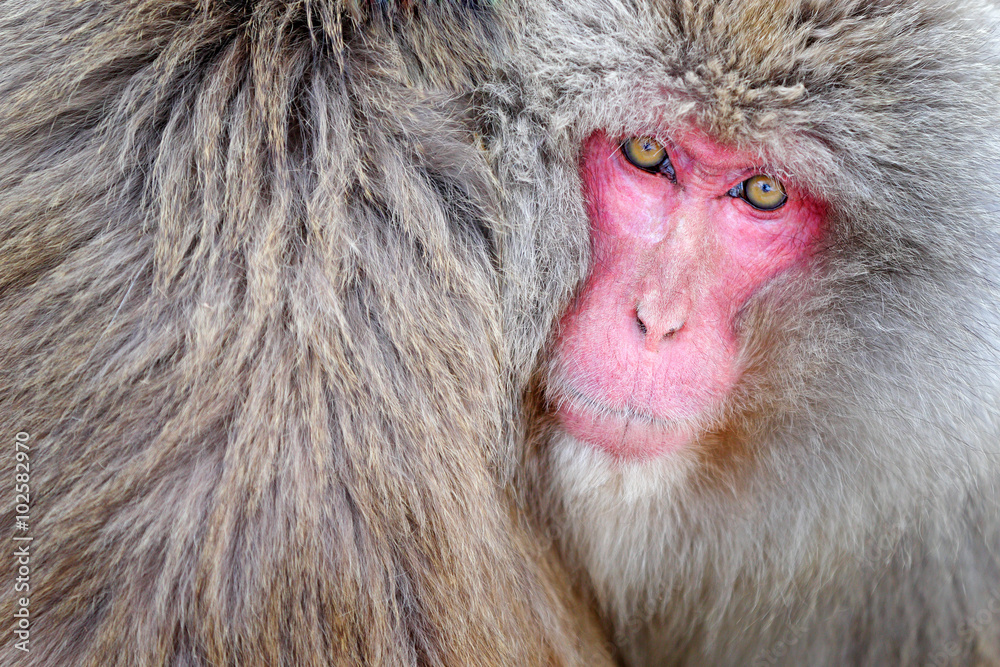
<point x="683" y="258"/>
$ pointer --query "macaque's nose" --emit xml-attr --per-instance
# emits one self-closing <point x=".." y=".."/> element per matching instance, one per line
<point x="659" y="317"/>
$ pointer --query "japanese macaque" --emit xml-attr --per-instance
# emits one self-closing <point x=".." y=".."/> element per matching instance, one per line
<point x="276" y="276"/>
<point x="767" y="430"/>
<point x="251" y="338"/>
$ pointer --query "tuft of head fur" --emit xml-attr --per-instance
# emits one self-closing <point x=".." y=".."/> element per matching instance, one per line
<point x="250" y="319"/>
<point x="848" y="513"/>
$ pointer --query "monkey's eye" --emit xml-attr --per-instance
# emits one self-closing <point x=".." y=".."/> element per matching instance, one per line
<point x="649" y="155"/>
<point x="762" y="192"/>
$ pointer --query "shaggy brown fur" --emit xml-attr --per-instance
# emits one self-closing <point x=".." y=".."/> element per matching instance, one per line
<point x="847" y="514"/>
<point x="250" y="318"/>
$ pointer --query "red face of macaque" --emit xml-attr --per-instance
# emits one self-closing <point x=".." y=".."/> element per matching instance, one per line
<point x="683" y="235"/>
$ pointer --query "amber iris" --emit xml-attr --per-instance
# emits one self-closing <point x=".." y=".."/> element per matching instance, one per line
<point x="649" y="155"/>
<point x="763" y="192"/>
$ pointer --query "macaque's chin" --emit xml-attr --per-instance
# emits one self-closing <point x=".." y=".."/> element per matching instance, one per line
<point x="626" y="437"/>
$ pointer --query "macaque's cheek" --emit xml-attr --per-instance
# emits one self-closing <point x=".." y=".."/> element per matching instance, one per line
<point x="623" y="205"/>
<point x="759" y="248"/>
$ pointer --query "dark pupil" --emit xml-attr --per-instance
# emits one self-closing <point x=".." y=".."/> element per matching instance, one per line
<point x="765" y="187"/>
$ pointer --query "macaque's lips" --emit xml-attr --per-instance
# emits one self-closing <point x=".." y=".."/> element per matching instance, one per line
<point x="627" y="436"/>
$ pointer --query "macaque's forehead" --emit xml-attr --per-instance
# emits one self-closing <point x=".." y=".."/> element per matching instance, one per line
<point x="740" y="68"/>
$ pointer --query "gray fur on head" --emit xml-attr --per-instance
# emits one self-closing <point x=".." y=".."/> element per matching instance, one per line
<point x="250" y="319"/>
<point x="851" y="516"/>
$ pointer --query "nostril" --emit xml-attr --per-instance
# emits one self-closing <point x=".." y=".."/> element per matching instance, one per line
<point x="653" y="328"/>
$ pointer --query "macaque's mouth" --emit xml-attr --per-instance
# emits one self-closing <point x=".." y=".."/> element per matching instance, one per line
<point x="623" y="433"/>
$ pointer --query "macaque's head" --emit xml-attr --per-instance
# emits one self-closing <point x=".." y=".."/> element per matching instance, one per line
<point x="779" y="358"/>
